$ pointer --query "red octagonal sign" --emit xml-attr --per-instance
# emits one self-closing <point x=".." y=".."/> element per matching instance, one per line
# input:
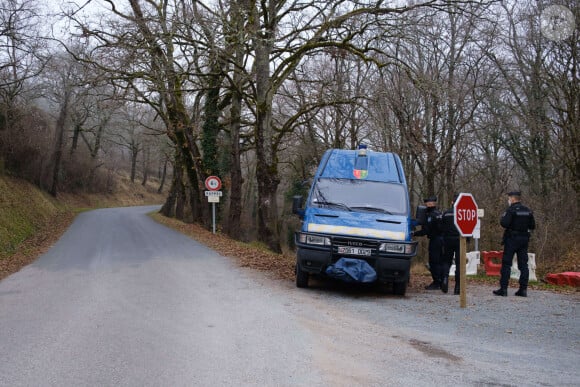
<point x="465" y="214"/>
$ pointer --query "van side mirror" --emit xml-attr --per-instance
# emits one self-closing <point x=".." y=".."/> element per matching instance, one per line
<point x="421" y="215"/>
<point x="297" y="206"/>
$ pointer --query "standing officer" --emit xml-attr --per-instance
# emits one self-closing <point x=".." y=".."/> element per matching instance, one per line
<point x="518" y="220"/>
<point x="450" y="245"/>
<point x="432" y="230"/>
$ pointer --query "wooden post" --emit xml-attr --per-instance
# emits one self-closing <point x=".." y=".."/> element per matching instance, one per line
<point x="462" y="272"/>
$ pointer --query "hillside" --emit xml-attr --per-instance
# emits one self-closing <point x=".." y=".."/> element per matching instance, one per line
<point x="31" y="220"/>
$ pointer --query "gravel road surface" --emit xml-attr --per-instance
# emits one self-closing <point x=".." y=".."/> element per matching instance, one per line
<point x="123" y="301"/>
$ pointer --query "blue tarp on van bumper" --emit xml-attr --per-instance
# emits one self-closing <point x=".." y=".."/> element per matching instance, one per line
<point x="352" y="270"/>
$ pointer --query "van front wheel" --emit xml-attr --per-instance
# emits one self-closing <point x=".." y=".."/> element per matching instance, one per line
<point x="301" y="278"/>
<point x="400" y="288"/>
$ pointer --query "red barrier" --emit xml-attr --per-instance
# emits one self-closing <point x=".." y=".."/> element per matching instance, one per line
<point x="492" y="262"/>
<point x="568" y="278"/>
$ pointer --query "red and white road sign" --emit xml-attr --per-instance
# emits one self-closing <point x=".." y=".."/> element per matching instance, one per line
<point x="465" y="214"/>
<point x="213" y="183"/>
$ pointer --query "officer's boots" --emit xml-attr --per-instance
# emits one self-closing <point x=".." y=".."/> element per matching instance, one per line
<point x="456" y="290"/>
<point x="445" y="284"/>
<point x="500" y="292"/>
<point x="522" y="292"/>
<point x="435" y="285"/>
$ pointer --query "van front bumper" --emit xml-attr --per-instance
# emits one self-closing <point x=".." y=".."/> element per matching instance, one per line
<point x="389" y="267"/>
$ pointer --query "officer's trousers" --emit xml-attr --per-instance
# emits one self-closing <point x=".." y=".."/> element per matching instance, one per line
<point x="436" y="266"/>
<point x="450" y="250"/>
<point x="515" y="245"/>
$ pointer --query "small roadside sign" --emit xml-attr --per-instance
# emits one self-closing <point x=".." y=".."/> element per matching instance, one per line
<point x="477" y="230"/>
<point x="213" y="183"/>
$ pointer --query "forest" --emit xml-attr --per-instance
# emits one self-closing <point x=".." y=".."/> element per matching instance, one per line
<point x="474" y="96"/>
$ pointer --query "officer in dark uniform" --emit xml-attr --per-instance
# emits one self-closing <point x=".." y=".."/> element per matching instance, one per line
<point x="432" y="230"/>
<point x="450" y="245"/>
<point x="518" y="220"/>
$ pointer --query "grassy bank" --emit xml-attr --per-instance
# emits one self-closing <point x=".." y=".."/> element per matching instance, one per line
<point x="24" y="210"/>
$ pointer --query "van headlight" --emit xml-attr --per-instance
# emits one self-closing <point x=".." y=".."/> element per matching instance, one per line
<point x="310" y="239"/>
<point x="397" y="248"/>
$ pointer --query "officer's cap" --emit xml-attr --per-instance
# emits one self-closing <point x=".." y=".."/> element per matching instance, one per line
<point x="515" y="193"/>
<point x="430" y="199"/>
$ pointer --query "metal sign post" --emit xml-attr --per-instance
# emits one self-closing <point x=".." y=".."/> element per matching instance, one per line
<point x="213" y="216"/>
<point x="213" y="197"/>
<point x="477" y="229"/>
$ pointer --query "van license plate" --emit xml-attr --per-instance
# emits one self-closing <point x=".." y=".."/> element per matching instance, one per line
<point x="354" y="250"/>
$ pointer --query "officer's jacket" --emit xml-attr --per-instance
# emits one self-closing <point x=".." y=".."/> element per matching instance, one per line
<point x="448" y="225"/>
<point x="432" y="227"/>
<point x="518" y="218"/>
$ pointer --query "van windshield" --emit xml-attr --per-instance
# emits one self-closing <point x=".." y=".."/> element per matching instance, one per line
<point x="360" y="195"/>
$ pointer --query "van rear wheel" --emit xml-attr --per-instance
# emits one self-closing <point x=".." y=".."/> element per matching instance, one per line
<point x="301" y="278"/>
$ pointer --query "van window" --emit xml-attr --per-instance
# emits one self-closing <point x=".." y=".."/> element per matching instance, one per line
<point x="360" y="195"/>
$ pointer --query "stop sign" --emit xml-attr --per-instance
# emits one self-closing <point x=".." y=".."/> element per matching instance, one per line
<point x="465" y="214"/>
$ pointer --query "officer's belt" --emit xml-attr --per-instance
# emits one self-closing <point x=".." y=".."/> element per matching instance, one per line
<point x="518" y="233"/>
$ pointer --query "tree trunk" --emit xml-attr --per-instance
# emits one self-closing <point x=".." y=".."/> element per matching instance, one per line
<point x="168" y="208"/>
<point x="75" y="138"/>
<point x="146" y="160"/>
<point x="59" y="142"/>
<point x="233" y="226"/>
<point x="267" y="163"/>
<point x="180" y="198"/>
<point x="163" y="176"/>
<point x="134" y="154"/>
<point x="267" y="177"/>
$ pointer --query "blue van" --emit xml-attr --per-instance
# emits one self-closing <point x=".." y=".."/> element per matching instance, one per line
<point x="356" y="224"/>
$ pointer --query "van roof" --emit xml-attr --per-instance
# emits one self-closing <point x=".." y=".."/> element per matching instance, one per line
<point x="382" y="166"/>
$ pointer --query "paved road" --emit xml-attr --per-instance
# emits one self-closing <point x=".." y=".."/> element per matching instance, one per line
<point x="123" y="301"/>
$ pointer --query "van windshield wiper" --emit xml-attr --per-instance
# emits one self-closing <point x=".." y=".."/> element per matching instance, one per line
<point x="373" y="209"/>
<point x="332" y="204"/>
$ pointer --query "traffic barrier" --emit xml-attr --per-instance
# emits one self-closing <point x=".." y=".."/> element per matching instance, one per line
<point x="515" y="272"/>
<point x="471" y="265"/>
<point x="568" y="278"/>
<point x="492" y="262"/>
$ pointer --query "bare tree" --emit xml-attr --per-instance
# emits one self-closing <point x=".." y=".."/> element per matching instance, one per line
<point x="562" y="68"/>
<point x="22" y="58"/>
<point x="526" y="125"/>
<point x="65" y="78"/>
<point x="22" y="52"/>
<point x="427" y="104"/>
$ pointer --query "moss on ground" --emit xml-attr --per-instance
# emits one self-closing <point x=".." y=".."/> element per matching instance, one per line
<point x="24" y="210"/>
